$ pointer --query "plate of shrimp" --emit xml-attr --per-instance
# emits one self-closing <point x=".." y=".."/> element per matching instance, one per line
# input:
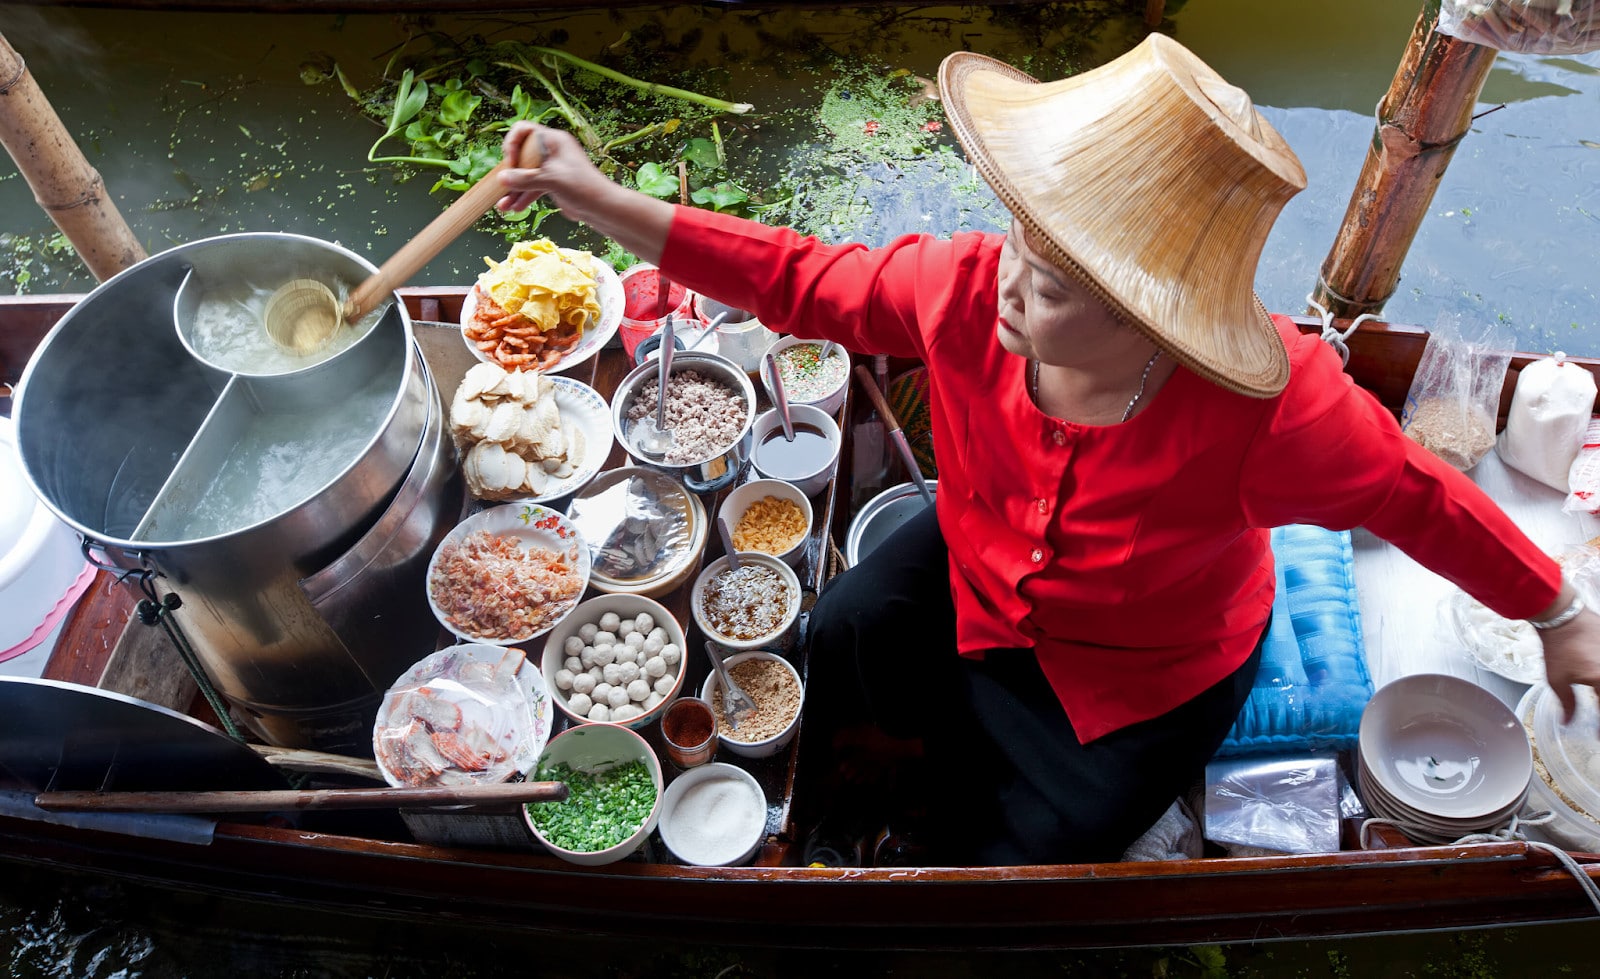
<point x="543" y="326"/>
<point x="467" y="713"/>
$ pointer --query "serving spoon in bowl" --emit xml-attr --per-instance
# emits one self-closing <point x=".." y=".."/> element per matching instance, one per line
<point x="735" y="702"/>
<point x="302" y="315"/>
<point x="651" y="436"/>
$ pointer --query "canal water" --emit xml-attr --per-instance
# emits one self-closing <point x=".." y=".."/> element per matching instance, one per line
<point x="206" y="124"/>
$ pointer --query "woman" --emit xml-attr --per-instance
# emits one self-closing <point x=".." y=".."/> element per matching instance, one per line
<point x="1118" y="424"/>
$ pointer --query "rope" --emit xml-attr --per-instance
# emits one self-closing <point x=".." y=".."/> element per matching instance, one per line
<point x="1333" y="337"/>
<point x="10" y="83"/>
<point x="1509" y="832"/>
<point x="158" y="611"/>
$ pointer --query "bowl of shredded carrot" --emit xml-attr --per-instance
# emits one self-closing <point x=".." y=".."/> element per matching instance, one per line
<point x="544" y="308"/>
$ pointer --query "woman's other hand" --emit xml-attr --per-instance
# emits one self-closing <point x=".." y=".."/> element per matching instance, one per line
<point x="1571" y="657"/>
<point x="572" y="182"/>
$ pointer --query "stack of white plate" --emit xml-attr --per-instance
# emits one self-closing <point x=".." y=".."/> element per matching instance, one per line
<point x="1442" y="757"/>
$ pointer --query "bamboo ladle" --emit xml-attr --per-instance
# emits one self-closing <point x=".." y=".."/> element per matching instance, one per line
<point x="302" y="315"/>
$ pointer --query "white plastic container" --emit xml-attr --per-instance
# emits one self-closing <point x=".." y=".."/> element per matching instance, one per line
<point x="42" y="568"/>
<point x="1556" y="787"/>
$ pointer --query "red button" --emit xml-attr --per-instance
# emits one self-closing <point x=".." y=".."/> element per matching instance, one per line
<point x="1041" y="504"/>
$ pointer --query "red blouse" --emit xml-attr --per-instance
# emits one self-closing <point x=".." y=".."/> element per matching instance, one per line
<point x="1133" y="558"/>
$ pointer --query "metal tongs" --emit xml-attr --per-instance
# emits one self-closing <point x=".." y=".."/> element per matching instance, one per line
<point x="735" y="702"/>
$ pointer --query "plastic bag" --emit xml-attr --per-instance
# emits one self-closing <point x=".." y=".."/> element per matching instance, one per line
<point x="466" y="714"/>
<point x="1583" y="477"/>
<point x="1549" y="412"/>
<point x="1455" y="395"/>
<point x="1524" y="26"/>
<point x="1285" y="805"/>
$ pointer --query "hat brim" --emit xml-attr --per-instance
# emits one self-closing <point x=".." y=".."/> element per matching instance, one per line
<point x="1195" y="302"/>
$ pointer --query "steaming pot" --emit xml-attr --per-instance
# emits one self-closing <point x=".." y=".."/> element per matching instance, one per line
<point x="294" y="514"/>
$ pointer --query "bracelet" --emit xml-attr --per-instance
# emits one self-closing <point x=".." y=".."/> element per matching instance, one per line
<point x="1566" y="615"/>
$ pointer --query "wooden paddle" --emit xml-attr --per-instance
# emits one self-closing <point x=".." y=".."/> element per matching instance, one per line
<point x="273" y="800"/>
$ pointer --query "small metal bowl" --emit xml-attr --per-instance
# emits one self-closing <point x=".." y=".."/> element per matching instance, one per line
<point x="722" y="467"/>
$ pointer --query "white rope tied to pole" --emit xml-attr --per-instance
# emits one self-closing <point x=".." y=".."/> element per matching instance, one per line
<point x="1333" y="337"/>
<point x="1509" y="832"/>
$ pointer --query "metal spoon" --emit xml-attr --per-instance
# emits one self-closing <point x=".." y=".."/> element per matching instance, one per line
<point x="727" y="542"/>
<point x="735" y="702"/>
<point x="651" y="435"/>
<point x="775" y="386"/>
<point x="711" y="328"/>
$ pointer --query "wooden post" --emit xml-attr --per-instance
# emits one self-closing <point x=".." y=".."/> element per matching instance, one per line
<point x="1423" y="117"/>
<point x="63" y="182"/>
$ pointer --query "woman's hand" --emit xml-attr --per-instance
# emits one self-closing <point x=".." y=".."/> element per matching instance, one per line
<point x="570" y="179"/>
<point x="1571" y="657"/>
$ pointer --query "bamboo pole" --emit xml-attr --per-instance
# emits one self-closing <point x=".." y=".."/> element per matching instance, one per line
<point x="1421" y="120"/>
<point x="63" y="182"/>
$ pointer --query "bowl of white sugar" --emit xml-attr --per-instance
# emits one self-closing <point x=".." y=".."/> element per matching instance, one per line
<point x="714" y="816"/>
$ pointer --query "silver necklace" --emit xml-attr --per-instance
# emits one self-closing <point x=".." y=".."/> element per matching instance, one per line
<point x="1133" y="402"/>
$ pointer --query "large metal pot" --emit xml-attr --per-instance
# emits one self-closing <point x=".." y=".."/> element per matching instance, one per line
<point x="881" y="516"/>
<point x="235" y="488"/>
<point x="705" y="475"/>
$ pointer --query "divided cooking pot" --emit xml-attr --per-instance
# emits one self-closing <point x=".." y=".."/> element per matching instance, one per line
<point x="292" y="512"/>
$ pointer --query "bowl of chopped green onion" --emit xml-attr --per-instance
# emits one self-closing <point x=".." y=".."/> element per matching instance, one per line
<point x="613" y="798"/>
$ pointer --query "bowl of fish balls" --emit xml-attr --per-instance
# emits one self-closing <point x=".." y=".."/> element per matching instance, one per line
<point x="615" y="659"/>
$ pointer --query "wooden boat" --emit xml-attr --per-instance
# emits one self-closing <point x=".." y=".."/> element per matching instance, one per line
<point x="373" y="865"/>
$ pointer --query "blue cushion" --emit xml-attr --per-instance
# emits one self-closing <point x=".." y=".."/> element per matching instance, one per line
<point x="1313" y="682"/>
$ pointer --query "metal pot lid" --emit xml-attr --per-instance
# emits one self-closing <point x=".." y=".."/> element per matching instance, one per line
<point x="640" y="525"/>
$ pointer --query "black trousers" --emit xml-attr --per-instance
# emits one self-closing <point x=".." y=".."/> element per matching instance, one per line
<point x="1010" y="783"/>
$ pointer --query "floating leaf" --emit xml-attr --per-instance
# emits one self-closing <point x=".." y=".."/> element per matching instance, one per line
<point x="702" y="153"/>
<point x="656" y="180"/>
<point x="721" y="195"/>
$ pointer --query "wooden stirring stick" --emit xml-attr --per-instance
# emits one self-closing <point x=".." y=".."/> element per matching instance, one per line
<point x="895" y="433"/>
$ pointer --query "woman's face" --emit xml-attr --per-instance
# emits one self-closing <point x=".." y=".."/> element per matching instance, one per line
<point x="1046" y="315"/>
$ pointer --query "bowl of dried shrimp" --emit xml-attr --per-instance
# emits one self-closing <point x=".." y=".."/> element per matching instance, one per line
<point x="470" y="713"/>
<point x="508" y="574"/>
<point x="543" y="309"/>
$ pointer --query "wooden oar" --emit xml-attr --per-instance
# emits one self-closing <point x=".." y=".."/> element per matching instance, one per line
<point x="274" y="800"/>
<point x="895" y="433"/>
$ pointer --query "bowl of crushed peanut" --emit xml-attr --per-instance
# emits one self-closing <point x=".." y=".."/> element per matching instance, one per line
<point x="770" y="516"/>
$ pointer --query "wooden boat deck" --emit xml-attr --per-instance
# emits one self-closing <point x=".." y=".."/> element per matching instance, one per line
<point x="372" y="867"/>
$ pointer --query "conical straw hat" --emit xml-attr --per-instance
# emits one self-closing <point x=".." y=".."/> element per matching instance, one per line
<point x="1150" y="179"/>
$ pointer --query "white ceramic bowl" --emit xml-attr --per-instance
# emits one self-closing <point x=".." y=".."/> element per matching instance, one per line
<point x="462" y="676"/>
<point x="738" y="802"/>
<point x="830" y="400"/>
<point x="593" y="748"/>
<point x="626" y="607"/>
<point x="532" y="525"/>
<point x="737" y="502"/>
<point x="768" y="746"/>
<point x="608" y="290"/>
<point x="1445" y="747"/>
<point x="790" y="612"/>
<point x="768" y="421"/>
